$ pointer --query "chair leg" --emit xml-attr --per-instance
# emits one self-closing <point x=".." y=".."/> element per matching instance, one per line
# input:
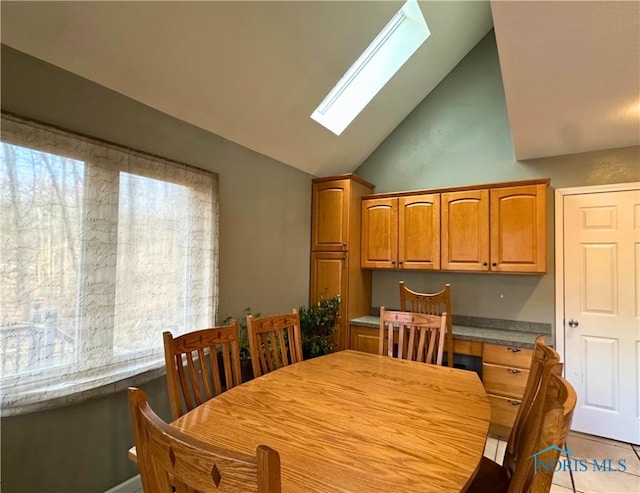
<point x="449" y="349"/>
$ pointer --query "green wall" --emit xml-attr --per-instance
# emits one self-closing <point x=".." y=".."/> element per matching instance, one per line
<point x="265" y="213"/>
<point x="459" y="135"/>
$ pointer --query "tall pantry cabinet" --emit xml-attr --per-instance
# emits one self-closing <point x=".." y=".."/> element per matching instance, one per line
<point x="335" y="248"/>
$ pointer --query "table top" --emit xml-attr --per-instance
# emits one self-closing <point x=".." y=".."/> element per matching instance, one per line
<point x="355" y="422"/>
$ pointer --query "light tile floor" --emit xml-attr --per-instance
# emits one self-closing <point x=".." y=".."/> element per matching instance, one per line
<point x="589" y="447"/>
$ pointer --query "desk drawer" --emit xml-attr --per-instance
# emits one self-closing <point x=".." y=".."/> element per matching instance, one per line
<point x="503" y="415"/>
<point x="504" y="380"/>
<point x="507" y="355"/>
<point x="470" y="348"/>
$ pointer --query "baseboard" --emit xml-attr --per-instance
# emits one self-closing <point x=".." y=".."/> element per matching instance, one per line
<point x="131" y="485"/>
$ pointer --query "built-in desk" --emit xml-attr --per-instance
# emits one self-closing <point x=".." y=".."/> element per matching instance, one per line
<point x="502" y="349"/>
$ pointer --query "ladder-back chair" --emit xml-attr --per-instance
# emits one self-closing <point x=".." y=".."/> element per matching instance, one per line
<point x="170" y="460"/>
<point x="419" y="336"/>
<point x="433" y="304"/>
<point x="274" y="341"/>
<point x="544" y="361"/>
<point x="195" y="363"/>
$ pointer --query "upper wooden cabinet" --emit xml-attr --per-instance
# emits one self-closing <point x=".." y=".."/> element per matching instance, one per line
<point x="465" y="230"/>
<point x="330" y="215"/>
<point x="501" y="229"/>
<point x="401" y="232"/>
<point x="519" y="229"/>
<point x="379" y="233"/>
<point x="490" y="228"/>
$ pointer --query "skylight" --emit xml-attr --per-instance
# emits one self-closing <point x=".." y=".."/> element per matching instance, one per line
<point x="391" y="48"/>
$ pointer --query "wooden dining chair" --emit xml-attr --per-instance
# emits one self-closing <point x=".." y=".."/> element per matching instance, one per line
<point x="170" y="460"/>
<point x="543" y="438"/>
<point x="433" y="304"/>
<point x="420" y="336"/>
<point x="542" y="429"/>
<point x="274" y="341"/>
<point x="544" y="361"/>
<point x="195" y="363"/>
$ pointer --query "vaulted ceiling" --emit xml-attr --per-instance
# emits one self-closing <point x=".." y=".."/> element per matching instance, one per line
<point x="253" y="72"/>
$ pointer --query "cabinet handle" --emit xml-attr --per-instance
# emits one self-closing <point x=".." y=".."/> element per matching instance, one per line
<point x="514" y="403"/>
<point x="484" y="264"/>
<point x="393" y="262"/>
<point x="400" y="262"/>
<point x="494" y="264"/>
<point x="344" y="244"/>
<point x="514" y="371"/>
<point x="514" y="349"/>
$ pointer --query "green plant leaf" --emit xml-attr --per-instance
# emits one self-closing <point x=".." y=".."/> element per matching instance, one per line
<point x="318" y="325"/>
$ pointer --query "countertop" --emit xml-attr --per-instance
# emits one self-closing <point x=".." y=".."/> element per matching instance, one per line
<point x="494" y="331"/>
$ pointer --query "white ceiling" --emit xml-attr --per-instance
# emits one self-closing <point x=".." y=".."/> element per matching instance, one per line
<point x="571" y="73"/>
<point x="253" y="72"/>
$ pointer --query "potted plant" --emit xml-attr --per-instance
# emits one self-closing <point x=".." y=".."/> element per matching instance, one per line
<point x="245" y="355"/>
<point x="318" y="326"/>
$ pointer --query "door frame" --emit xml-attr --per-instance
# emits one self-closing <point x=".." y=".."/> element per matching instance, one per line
<point x="560" y="194"/>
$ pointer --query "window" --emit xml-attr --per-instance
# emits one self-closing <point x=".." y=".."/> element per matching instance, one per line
<point x="101" y="250"/>
<point x="387" y="53"/>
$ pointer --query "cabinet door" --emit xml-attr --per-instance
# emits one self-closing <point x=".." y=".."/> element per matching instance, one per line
<point x="379" y="233"/>
<point x="465" y="230"/>
<point x="328" y="278"/>
<point x="330" y="215"/>
<point x="519" y="229"/>
<point x="365" y="339"/>
<point x="419" y="232"/>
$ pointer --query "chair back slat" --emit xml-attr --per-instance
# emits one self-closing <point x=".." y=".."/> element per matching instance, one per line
<point x="193" y="378"/>
<point x="171" y="460"/>
<point x="185" y="390"/>
<point x="274" y="341"/>
<point x="194" y="372"/>
<point x="432" y="304"/>
<point x="227" y="366"/>
<point x="412" y="336"/>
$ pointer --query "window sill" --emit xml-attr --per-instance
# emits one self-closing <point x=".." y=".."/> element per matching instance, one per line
<point x="45" y="398"/>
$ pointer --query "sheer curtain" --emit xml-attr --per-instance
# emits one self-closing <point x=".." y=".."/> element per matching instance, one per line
<point x="102" y="249"/>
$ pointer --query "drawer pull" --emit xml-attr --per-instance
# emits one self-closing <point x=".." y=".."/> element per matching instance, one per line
<point x="514" y="349"/>
<point x="514" y="403"/>
<point x="514" y="371"/>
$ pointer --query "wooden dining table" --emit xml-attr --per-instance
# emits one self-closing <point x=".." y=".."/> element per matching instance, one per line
<point x="355" y="422"/>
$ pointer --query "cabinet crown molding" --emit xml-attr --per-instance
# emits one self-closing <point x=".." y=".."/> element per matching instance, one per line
<point x="346" y="176"/>
<point x="542" y="181"/>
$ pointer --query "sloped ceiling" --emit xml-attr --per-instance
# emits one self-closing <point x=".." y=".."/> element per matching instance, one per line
<point x="571" y="74"/>
<point x="253" y="72"/>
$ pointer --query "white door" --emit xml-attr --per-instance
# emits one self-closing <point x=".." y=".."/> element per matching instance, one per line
<point x="602" y="311"/>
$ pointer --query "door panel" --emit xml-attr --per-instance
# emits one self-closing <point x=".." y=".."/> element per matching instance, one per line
<point x="379" y="233"/>
<point x="330" y="231"/>
<point x="465" y="230"/>
<point x="419" y="232"/>
<point x="601" y="286"/>
<point x="329" y="275"/>
<point x="601" y="380"/>
<point x="600" y="278"/>
<point x="519" y="229"/>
